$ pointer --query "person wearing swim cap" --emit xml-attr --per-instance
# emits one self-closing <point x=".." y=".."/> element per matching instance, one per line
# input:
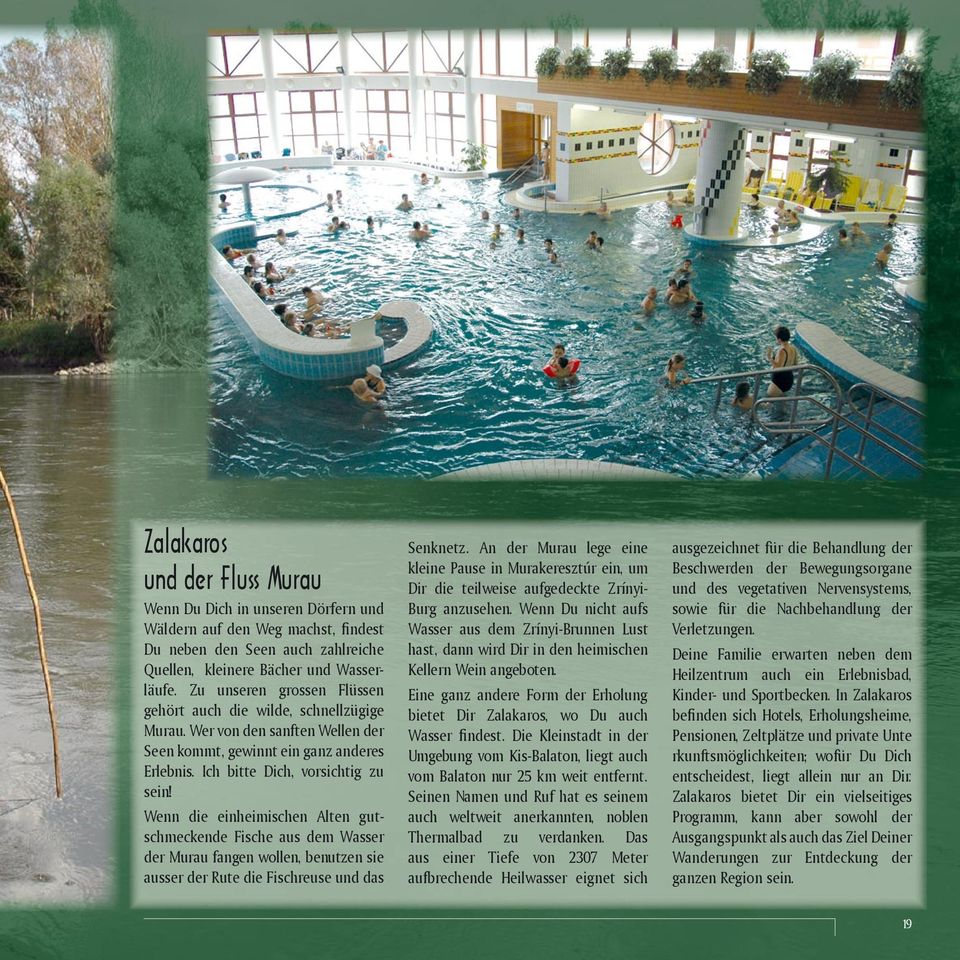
<point x="374" y="380"/>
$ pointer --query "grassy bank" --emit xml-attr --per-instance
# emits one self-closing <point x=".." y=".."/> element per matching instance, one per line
<point x="43" y="345"/>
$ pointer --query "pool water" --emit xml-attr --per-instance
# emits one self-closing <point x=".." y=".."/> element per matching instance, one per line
<point x="477" y="394"/>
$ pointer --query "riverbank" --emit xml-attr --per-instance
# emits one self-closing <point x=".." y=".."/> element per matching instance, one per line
<point x="43" y="347"/>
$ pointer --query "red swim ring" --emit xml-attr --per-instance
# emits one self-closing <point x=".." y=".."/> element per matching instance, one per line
<point x="677" y="221"/>
<point x="573" y="366"/>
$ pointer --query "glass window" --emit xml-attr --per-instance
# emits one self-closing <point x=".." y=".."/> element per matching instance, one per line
<point x="692" y="42"/>
<point x="657" y="145"/>
<point x="914" y="42"/>
<point x="537" y="41"/>
<point x="642" y="41"/>
<point x="875" y="50"/>
<point x="797" y="45"/>
<point x="244" y="58"/>
<point x="215" y="57"/>
<point x="603" y="40"/>
<point x="488" y="109"/>
<point x="367" y="53"/>
<point x="513" y="57"/>
<point x="396" y="49"/>
<point x="290" y="54"/>
<point x="324" y="52"/>
<point x="442" y="50"/>
<point x="488" y="52"/>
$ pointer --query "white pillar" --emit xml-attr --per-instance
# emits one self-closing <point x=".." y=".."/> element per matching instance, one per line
<point x="471" y="99"/>
<point x="270" y="92"/>
<point x="418" y="136"/>
<point x="720" y="174"/>
<point x="565" y="40"/>
<point x="563" y="168"/>
<point x="346" y="94"/>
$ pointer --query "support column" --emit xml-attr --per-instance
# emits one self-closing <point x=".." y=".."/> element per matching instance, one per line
<point x="270" y="92"/>
<point x="720" y="174"/>
<point x="346" y="93"/>
<point x="418" y="139"/>
<point x="561" y="164"/>
<point x="471" y="99"/>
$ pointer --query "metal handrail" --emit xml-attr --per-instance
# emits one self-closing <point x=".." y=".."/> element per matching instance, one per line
<point x="841" y="411"/>
<point x="872" y="390"/>
<point x="524" y="168"/>
<point x="837" y="418"/>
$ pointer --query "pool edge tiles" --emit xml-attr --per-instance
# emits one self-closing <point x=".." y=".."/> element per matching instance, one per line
<point x="308" y="358"/>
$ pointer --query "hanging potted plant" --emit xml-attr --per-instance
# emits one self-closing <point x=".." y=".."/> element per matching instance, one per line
<point x="661" y="64"/>
<point x="904" y="88"/>
<point x="833" y="78"/>
<point x="829" y="178"/>
<point x="766" y="71"/>
<point x="577" y="64"/>
<point x="548" y="63"/>
<point x="616" y="64"/>
<point x="711" y="68"/>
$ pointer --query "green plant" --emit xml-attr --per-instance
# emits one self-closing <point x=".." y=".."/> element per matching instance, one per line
<point x="661" y="64"/>
<point x="474" y="155"/>
<point x="829" y="178"/>
<point x="766" y="71"/>
<point x="711" y="68"/>
<point x="833" y="78"/>
<point x="577" y="64"/>
<point x="904" y="89"/>
<point x="548" y="62"/>
<point x="616" y="63"/>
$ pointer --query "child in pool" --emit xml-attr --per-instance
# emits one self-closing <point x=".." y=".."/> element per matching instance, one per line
<point x="675" y="375"/>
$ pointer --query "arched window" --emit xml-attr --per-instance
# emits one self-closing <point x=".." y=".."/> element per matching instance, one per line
<point x="656" y="144"/>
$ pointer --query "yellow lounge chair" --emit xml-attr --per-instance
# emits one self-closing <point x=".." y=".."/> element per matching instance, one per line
<point x="823" y="202"/>
<point x="895" y="199"/>
<point x="871" y="195"/>
<point x="792" y="185"/>
<point x="851" y="193"/>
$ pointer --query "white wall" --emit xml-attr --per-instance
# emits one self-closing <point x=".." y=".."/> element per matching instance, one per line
<point x="599" y="164"/>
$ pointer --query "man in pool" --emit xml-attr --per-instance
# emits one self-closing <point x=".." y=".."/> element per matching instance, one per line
<point x="891" y="220"/>
<point x="484" y="215"/>
<point x="554" y="258"/>
<point x="374" y="380"/>
<point x="405" y="203"/>
<point x="516" y="213"/>
<point x="775" y="232"/>
<point x="520" y="235"/>
<point x="282" y="237"/>
<point x="884" y="255"/>
<point x="685" y="270"/>
<point x="649" y="301"/>
<point x="424" y="180"/>
<point x="856" y="230"/>
<point x="754" y="203"/>
<point x="224" y="202"/>
<point x="362" y="391"/>
<point x="314" y="305"/>
<point x="696" y="314"/>
<point x="592" y="240"/>
<point x="329" y="201"/>
<point x="419" y="231"/>
<point x="671" y="199"/>
<point x="231" y="253"/>
<point x="548" y="246"/>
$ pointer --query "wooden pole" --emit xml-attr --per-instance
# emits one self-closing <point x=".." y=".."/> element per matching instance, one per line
<point x="35" y="600"/>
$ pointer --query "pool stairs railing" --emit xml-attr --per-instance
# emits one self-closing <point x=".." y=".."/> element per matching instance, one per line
<point x="854" y="411"/>
<point x="531" y="168"/>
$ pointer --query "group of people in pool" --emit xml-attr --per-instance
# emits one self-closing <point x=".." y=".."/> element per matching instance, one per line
<point x="782" y="356"/>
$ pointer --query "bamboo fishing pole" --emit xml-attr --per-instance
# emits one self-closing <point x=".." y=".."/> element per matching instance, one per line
<point x="35" y="600"/>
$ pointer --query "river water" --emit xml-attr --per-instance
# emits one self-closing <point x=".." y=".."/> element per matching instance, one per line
<point x="55" y="451"/>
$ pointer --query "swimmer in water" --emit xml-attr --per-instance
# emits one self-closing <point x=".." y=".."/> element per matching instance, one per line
<point x="497" y="234"/>
<point x="292" y="322"/>
<point x="649" y="301"/>
<point x="520" y="235"/>
<point x="253" y="261"/>
<point x="424" y="180"/>
<point x="339" y="197"/>
<point x="696" y="314"/>
<point x="369" y="223"/>
<point x="684" y="270"/>
<point x="891" y="220"/>
<point x="675" y="375"/>
<point x="775" y="232"/>
<point x="884" y="255"/>
<point x="375" y="381"/>
<point x="419" y="231"/>
<point x="224" y="203"/>
<point x="405" y="203"/>
<point x="548" y="246"/>
<point x="485" y="215"/>
<point x="842" y="237"/>
<point x="856" y="230"/>
<point x="361" y="390"/>
<point x="671" y="199"/>
<point x="516" y="213"/>
<point x="554" y="258"/>
<point x="742" y="399"/>
<point x="314" y="305"/>
<point x="282" y="237"/>
<point x="559" y="350"/>
<point x="271" y="274"/>
<point x="591" y="241"/>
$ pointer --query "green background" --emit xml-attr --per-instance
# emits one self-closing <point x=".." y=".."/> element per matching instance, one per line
<point x="159" y="430"/>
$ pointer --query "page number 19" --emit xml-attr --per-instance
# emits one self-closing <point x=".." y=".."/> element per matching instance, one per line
<point x="907" y="923"/>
